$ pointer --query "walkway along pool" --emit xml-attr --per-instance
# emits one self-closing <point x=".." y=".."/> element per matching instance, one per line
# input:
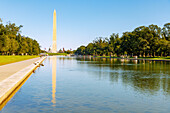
<point x="8" y="85"/>
<point x="95" y="85"/>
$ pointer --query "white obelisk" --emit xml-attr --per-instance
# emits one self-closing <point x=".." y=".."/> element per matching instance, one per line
<point x="54" y="48"/>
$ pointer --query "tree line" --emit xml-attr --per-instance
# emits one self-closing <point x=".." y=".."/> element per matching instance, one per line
<point x="11" y="41"/>
<point x="143" y="41"/>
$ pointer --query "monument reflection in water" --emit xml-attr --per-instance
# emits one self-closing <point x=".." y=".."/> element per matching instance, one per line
<point x="54" y="68"/>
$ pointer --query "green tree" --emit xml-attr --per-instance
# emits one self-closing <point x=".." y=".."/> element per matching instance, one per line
<point x="166" y="31"/>
<point x="13" y="46"/>
<point x="36" y="47"/>
<point x="11" y="41"/>
<point x="81" y="50"/>
<point x="89" y="49"/>
<point x="143" y="40"/>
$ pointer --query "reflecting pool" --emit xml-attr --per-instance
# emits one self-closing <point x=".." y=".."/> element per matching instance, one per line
<point x="94" y="85"/>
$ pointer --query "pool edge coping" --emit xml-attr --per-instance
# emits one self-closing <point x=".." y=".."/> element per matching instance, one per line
<point x="9" y="85"/>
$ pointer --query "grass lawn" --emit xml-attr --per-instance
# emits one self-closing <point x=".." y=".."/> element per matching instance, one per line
<point x="156" y="58"/>
<point x="11" y="59"/>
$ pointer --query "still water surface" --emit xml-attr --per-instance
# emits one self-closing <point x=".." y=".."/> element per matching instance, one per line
<point x="81" y="85"/>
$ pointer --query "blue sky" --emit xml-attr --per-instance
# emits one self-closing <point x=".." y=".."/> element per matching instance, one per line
<point x="81" y="21"/>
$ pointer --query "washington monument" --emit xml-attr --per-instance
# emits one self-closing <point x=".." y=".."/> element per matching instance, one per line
<point x="54" y="48"/>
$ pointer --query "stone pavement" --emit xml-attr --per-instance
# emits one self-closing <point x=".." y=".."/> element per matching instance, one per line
<point x="15" y="74"/>
<point x="9" y="69"/>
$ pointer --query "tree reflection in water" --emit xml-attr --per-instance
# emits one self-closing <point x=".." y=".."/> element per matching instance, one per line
<point x="148" y="77"/>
